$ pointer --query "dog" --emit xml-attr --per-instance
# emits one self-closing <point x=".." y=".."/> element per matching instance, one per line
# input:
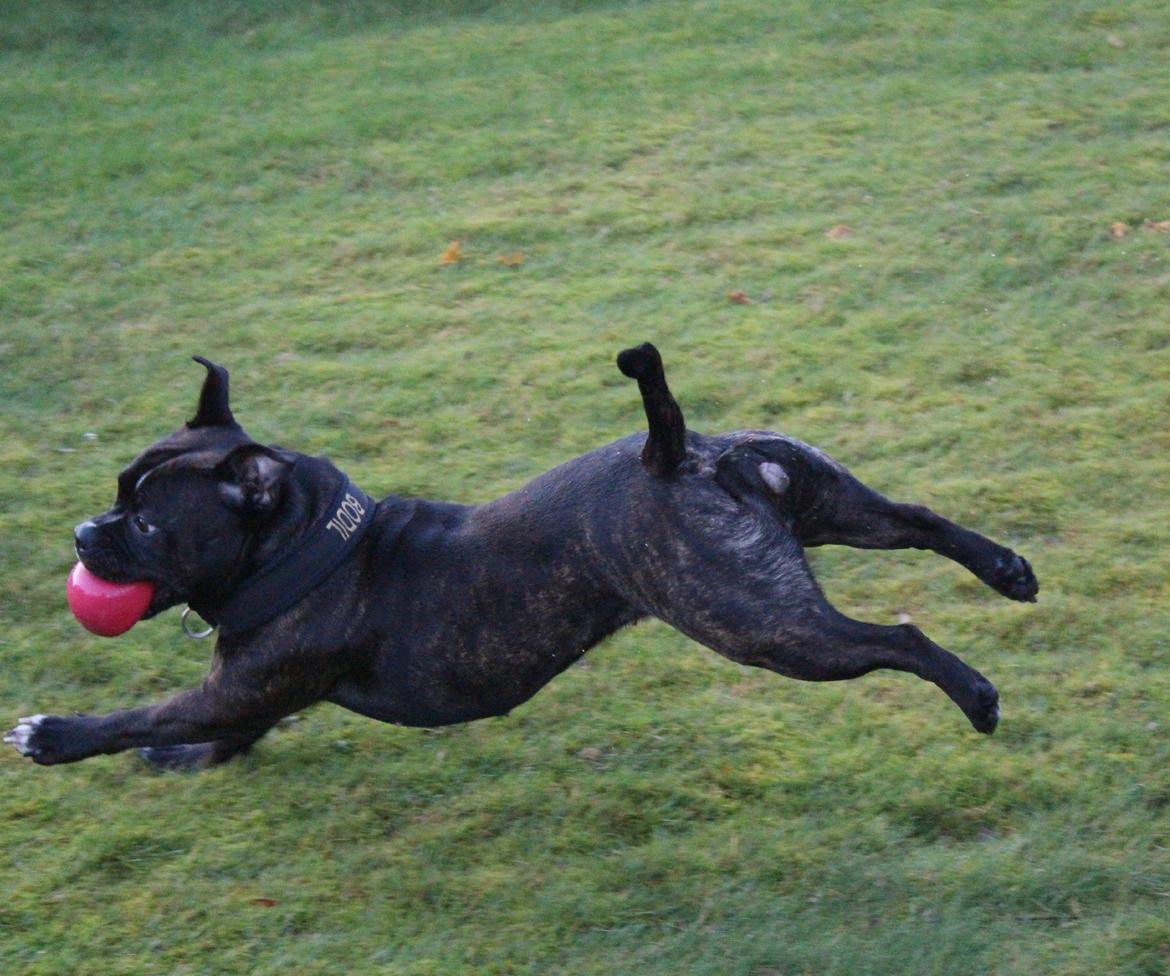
<point x="426" y="613"/>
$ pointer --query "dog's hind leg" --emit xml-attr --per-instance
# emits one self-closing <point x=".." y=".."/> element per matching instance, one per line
<point x="862" y="518"/>
<point x="665" y="446"/>
<point x="822" y="644"/>
<point x="830" y="646"/>
<point x="756" y="602"/>
<point x="829" y="506"/>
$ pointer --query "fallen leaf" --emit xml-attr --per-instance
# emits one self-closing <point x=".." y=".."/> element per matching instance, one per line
<point x="266" y="902"/>
<point x="1118" y="229"/>
<point x="453" y="253"/>
<point x="739" y="297"/>
<point x="513" y="260"/>
<point x="1161" y="226"/>
<point x="842" y="232"/>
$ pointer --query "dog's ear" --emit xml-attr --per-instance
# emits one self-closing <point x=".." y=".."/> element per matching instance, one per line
<point x="251" y="478"/>
<point x="213" y="400"/>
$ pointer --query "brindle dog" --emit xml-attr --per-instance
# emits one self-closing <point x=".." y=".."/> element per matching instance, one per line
<point x="431" y="613"/>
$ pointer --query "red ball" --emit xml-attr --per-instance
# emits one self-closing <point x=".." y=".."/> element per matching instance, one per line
<point x="104" y="608"/>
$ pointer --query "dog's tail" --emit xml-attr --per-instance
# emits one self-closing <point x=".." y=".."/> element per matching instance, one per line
<point x="666" y="446"/>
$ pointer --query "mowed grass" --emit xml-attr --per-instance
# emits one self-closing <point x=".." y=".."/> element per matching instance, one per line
<point x="273" y="185"/>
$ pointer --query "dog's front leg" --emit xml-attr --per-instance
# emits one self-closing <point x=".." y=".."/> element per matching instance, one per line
<point x="198" y="715"/>
<point x="215" y="711"/>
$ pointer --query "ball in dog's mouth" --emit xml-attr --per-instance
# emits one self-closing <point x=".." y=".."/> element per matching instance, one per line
<point x="104" y="608"/>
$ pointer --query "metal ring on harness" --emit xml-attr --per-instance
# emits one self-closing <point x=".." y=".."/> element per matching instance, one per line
<point x="194" y="634"/>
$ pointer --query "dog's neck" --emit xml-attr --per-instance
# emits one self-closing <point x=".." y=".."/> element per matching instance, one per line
<point x="322" y="518"/>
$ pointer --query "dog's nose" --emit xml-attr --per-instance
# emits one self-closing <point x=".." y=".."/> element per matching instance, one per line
<point x="85" y="536"/>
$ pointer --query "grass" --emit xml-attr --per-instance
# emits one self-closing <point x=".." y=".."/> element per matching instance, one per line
<point x="272" y="185"/>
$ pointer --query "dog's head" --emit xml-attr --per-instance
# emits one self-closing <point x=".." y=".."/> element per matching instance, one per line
<point x="188" y="506"/>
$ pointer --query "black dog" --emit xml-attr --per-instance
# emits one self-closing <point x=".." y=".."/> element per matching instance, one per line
<point x="426" y="613"/>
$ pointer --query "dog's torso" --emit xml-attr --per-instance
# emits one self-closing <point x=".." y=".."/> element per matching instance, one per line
<point x="467" y="611"/>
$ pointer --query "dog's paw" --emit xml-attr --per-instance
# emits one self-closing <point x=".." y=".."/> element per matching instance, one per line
<point x="984" y="710"/>
<point x="21" y="735"/>
<point x="49" y="739"/>
<point x="1013" y="577"/>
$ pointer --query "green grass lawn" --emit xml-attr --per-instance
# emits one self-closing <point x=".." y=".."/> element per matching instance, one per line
<point x="944" y="219"/>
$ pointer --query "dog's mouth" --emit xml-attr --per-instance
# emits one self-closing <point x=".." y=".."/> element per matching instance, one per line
<point x="103" y="566"/>
<point x="108" y="569"/>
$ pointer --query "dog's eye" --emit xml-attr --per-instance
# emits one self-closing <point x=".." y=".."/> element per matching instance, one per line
<point x="142" y="525"/>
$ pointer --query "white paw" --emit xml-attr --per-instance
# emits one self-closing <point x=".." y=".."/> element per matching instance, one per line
<point x="22" y="732"/>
